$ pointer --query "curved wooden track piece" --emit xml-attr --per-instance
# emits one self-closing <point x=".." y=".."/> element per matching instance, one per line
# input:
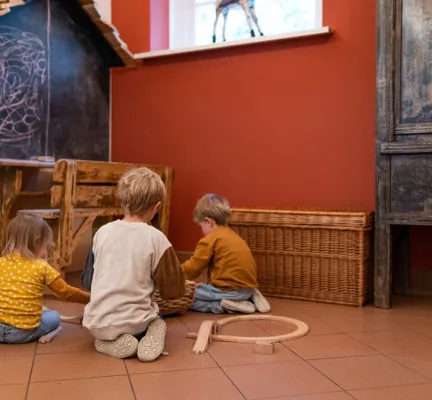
<point x="204" y="335"/>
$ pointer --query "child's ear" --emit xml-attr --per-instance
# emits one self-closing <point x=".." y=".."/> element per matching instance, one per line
<point x="157" y="205"/>
<point x="211" y="222"/>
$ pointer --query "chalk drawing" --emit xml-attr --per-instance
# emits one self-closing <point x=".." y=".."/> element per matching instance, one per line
<point x="23" y="78"/>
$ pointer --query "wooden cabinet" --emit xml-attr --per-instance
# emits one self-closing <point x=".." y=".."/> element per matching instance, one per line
<point x="404" y="137"/>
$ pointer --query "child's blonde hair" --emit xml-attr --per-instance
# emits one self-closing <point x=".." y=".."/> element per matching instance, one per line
<point x="214" y="207"/>
<point x="26" y="234"/>
<point x="139" y="190"/>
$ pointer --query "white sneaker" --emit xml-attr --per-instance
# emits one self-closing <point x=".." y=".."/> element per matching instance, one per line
<point x="261" y="303"/>
<point x="152" y="344"/>
<point x="124" y="346"/>
<point x="245" y="307"/>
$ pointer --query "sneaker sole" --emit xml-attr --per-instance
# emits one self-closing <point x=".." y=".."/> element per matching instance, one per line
<point x="152" y="344"/>
<point x="261" y="303"/>
<point x="124" y="347"/>
<point x="232" y="306"/>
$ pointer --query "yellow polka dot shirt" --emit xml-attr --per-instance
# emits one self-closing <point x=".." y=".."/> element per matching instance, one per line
<point x="22" y="285"/>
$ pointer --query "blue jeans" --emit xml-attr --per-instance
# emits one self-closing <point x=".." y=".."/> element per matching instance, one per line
<point x="50" y="321"/>
<point x="207" y="298"/>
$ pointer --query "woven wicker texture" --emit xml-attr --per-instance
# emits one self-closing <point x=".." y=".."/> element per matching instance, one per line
<point x="310" y="255"/>
<point x="177" y="306"/>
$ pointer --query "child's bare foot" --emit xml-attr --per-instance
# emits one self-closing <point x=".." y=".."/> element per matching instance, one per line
<point x="124" y="346"/>
<point x="50" y="336"/>
<point x="152" y="344"/>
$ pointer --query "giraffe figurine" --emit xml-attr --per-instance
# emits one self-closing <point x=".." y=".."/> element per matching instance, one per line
<point x="223" y="7"/>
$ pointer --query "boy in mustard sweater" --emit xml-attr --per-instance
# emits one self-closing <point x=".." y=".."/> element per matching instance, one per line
<point x="232" y="271"/>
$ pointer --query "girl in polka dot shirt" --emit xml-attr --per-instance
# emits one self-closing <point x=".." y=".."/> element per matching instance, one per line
<point x="23" y="276"/>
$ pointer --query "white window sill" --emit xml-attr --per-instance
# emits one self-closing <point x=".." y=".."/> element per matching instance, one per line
<point x="324" y="31"/>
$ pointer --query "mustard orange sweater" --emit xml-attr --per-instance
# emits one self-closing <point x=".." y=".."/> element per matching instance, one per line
<point x="228" y="258"/>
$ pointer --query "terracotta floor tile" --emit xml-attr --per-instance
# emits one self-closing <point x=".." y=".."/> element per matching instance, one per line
<point x="279" y="379"/>
<point x="342" y="348"/>
<point x="176" y="330"/>
<point x="297" y="310"/>
<point x="72" y="338"/>
<point x="424" y="329"/>
<point x="17" y="349"/>
<point x="410" y="392"/>
<point x="275" y="327"/>
<point x="316" y="327"/>
<point x="366" y="372"/>
<point x="85" y="364"/>
<point x="180" y="358"/>
<point x="419" y="361"/>
<point x="112" y="388"/>
<point x="422" y="325"/>
<point x="328" y="346"/>
<point x="323" y="310"/>
<point x="362" y="323"/>
<point x="244" y="328"/>
<point x="228" y="354"/>
<point x="13" y="392"/>
<point x="15" y="369"/>
<point x="286" y="303"/>
<point x="193" y="320"/>
<point x="394" y="341"/>
<point x="64" y="307"/>
<point x="321" y="396"/>
<point x="208" y="384"/>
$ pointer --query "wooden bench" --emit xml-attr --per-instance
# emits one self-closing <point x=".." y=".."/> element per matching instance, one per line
<point x="87" y="190"/>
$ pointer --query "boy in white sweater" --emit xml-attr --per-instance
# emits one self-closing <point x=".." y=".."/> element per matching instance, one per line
<point x="131" y="260"/>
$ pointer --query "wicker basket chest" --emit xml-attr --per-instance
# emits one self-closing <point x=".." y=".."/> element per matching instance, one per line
<point x="324" y="256"/>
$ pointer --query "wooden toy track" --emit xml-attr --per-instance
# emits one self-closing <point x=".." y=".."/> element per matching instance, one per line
<point x="208" y="331"/>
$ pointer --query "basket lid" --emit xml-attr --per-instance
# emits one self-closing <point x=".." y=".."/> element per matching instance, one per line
<point x="302" y="216"/>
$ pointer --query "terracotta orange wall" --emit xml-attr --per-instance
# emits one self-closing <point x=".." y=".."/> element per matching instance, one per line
<point x="132" y="18"/>
<point x="271" y="125"/>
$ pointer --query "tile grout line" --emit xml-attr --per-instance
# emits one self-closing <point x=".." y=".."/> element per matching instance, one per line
<point x="31" y="371"/>
<point x="405" y="366"/>
<point x="172" y="370"/>
<point x="325" y="376"/>
<point x="375" y="387"/>
<point x="130" y="380"/>
<point x="387" y="355"/>
<point x="218" y="366"/>
<point x="379" y="351"/>
<point x="303" y="395"/>
<point x="81" y="378"/>
<point x="232" y="382"/>
<point x="387" y="386"/>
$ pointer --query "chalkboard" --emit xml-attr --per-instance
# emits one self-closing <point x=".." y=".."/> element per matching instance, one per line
<point x="54" y="84"/>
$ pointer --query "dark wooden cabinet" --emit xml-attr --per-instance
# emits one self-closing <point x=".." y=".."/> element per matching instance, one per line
<point x="404" y="137"/>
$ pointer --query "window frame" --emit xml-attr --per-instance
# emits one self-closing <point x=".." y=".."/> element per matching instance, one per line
<point x="182" y="21"/>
